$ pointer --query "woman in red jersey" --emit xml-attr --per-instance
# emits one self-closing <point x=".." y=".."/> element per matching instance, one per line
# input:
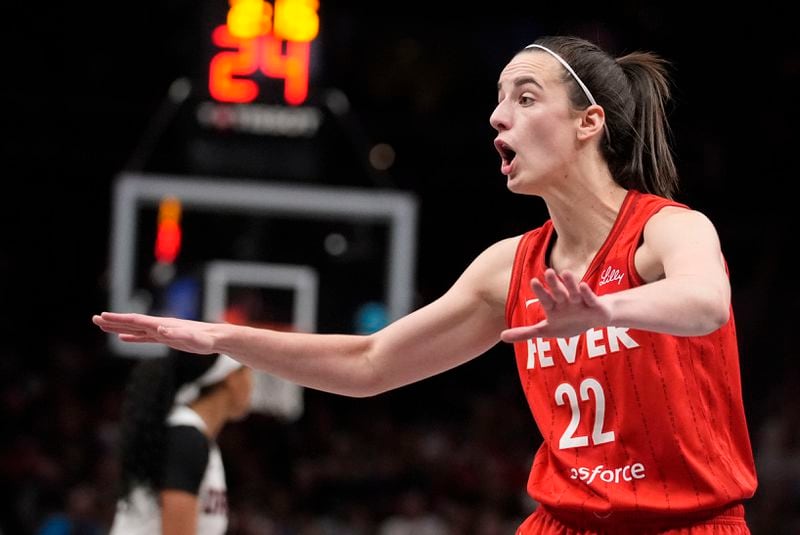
<point x="618" y="307"/>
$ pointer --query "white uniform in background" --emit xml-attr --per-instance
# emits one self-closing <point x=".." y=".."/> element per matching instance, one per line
<point x="189" y="445"/>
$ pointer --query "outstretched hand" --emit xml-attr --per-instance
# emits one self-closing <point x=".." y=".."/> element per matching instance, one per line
<point x="184" y="335"/>
<point x="570" y="307"/>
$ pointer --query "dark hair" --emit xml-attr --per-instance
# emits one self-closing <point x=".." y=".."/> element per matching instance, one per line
<point x="633" y="90"/>
<point x="149" y="396"/>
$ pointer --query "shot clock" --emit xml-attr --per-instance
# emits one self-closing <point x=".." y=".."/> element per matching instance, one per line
<point x="263" y="39"/>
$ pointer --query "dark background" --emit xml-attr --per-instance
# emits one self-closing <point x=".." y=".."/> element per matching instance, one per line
<point x="82" y="82"/>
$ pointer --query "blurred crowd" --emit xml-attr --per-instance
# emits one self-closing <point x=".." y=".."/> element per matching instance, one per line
<point x="447" y="456"/>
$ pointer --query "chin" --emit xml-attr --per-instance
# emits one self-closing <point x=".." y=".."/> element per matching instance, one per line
<point x="514" y="185"/>
<point x="523" y="186"/>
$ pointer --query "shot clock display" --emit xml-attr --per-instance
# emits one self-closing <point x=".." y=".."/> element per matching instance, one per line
<point x="254" y="102"/>
<point x="263" y="39"/>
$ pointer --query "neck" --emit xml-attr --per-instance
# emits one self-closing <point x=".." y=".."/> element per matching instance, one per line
<point x="583" y="212"/>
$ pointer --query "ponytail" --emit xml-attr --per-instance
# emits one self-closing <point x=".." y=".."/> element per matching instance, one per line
<point x="650" y="155"/>
<point x="148" y="399"/>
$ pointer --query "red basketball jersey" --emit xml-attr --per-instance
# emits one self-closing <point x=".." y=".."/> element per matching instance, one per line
<point x="632" y="421"/>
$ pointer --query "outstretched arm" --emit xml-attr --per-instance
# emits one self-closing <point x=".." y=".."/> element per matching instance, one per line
<point x="690" y="296"/>
<point x="462" y="324"/>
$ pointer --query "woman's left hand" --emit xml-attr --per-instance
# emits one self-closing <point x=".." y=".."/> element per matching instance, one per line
<point x="570" y="307"/>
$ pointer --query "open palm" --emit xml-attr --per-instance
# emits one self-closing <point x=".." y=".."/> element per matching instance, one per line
<point x="570" y="307"/>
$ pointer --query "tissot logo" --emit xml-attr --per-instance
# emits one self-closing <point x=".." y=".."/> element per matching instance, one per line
<point x="260" y="119"/>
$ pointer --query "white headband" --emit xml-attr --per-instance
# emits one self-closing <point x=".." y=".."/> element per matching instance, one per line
<point x="575" y="76"/>
<point x="223" y="367"/>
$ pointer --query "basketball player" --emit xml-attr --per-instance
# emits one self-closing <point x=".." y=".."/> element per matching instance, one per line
<point x="619" y="309"/>
<point x="173" y="480"/>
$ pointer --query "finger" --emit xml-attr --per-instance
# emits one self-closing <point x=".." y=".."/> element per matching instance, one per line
<point x="557" y="288"/>
<point x="140" y="320"/>
<point x="122" y="330"/>
<point x="588" y="296"/>
<point x="100" y="321"/>
<point x="571" y="283"/>
<point x="103" y="322"/>
<point x="545" y="299"/>
<point x="518" y="334"/>
<point x="137" y="339"/>
<point x="128" y="322"/>
<point x="118" y="316"/>
<point x="109" y="326"/>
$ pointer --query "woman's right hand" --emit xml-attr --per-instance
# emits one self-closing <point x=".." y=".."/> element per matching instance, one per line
<point x="184" y="335"/>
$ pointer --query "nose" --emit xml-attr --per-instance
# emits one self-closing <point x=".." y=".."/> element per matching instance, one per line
<point x="499" y="118"/>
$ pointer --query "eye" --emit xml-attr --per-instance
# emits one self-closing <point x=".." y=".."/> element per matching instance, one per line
<point x="526" y="100"/>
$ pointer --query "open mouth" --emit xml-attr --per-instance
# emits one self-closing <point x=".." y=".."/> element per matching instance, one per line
<point x="507" y="155"/>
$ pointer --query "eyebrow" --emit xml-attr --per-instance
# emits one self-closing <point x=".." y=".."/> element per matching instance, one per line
<point x="522" y="80"/>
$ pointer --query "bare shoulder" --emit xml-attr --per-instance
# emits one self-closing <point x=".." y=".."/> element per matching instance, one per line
<point x="489" y="274"/>
<point x="499" y="255"/>
<point x="502" y="249"/>
<point x="678" y="213"/>
<point x="677" y="223"/>
<point x="675" y="235"/>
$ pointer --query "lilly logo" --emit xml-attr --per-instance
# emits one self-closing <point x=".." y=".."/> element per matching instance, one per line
<point x="610" y="274"/>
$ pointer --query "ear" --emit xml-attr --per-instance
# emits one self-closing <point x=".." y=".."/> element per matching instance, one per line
<point x="592" y="120"/>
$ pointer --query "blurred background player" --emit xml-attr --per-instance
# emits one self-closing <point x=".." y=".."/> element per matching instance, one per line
<point x="173" y="479"/>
